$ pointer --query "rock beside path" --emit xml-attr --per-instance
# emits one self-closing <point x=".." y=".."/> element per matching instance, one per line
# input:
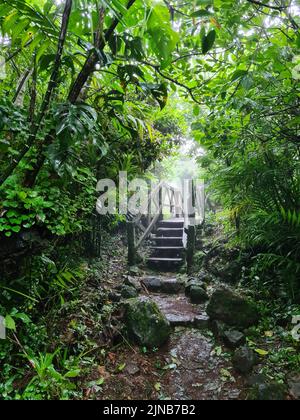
<point x="198" y="294"/>
<point x="129" y="292"/>
<point x="234" y="339"/>
<point x="233" y="309"/>
<point x="268" y="392"/>
<point x="145" y="323"/>
<point x="244" y="360"/>
<point x="152" y="284"/>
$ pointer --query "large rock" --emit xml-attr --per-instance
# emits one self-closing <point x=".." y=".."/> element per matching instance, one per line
<point x="268" y="392"/>
<point x="233" y="309"/>
<point x="145" y="323"/>
<point x="244" y="360"/>
<point x="294" y="386"/>
<point x="171" y="286"/>
<point x="153" y="284"/>
<point x="234" y="339"/>
<point x="133" y="282"/>
<point x="201" y="322"/>
<point x="198" y="295"/>
<point x="128" y="292"/>
<point x="193" y="282"/>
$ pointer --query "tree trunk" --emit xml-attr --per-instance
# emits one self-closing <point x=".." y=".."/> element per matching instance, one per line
<point x="47" y="99"/>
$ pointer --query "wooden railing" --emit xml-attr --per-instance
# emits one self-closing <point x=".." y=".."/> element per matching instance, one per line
<point x="140" y="227"/>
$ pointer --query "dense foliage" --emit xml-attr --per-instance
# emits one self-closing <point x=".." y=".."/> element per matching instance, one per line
<point x="252" y="133"/>
<point x="86" y="93"/>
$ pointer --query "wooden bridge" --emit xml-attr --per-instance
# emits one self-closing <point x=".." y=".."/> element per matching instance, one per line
<point x="173" y="235"/>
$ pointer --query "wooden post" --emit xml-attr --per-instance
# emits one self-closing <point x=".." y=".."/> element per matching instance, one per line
<point x="191" y="240"/>
<point x="172" y="203"/>
<point x="149" y="215"/>
<point x="131" y="243"/>
<point x="191" y="233"/>
<point x="160" y="202"/>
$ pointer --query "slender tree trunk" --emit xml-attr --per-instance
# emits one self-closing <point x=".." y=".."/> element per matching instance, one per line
<point x="47" y="99"/>
<point x="92" y="60"/>
<point x="33" y="94"/>
<point x="79" y="84"/>
<point x="19" y="95"/>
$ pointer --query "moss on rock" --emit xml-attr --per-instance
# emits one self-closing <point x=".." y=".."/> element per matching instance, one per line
<point x="233" y="309"/>
<point x="146" y="324"/>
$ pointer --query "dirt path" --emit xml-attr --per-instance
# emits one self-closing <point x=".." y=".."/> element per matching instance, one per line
<point x="190" y="366"/>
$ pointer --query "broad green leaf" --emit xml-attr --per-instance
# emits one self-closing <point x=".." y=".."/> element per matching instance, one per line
<point x="163" y="38"/>
<point x="157" y="387"/>
<point x="208" y="41"/>
<point x="23" y="317"/>
<point x="238" y="74"/>
<point x="10" y="323"/>
<point x="261" y="352"/>
<point x="72" y="373"/>
<point x="201" y="13"/>
<point x="204" y="2"/>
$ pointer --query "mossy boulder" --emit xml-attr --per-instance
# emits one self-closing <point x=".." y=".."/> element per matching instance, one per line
<point x="234" y="339"/>
<point x="268" y="392"/>
<point x="128" y="292"/>
<point x="233" y="309"/>
<point x="146" y="324"/>
<point x="244" y="360"/>
<point x="194" y="282"/>
<point x="198" y="294"/>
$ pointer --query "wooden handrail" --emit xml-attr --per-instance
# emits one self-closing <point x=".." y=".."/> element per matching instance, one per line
<point x="149" y="229"/>
<point x="150" y="198"/>
<point x="176" y="207"/>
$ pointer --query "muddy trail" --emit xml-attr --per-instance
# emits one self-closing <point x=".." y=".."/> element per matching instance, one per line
<point x="197" y="361"/>
<point x="191" y="365"/>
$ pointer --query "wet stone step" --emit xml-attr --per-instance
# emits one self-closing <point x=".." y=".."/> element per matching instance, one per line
<point x="168" y="248"/>
<point x="174" y="223"/>
<point x="164" y="285"/>
<point x="165" y="264"/>
<point x="167" y="240"/>
<point x="180" y="312"/>
<point x="170" y="232"/>
<point x="171" y="260"/>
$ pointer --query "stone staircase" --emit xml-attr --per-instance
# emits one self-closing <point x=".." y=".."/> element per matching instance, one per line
<point x="167" y="250"/>
<point x="169" y="293"/>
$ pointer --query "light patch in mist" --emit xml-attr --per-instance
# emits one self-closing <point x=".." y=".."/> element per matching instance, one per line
<point x="2" y="68"/>
<point x="2" y="328"/>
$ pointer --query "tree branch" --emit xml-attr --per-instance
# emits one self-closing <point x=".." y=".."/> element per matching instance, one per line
<point x="259" y="3"/>
<point x="171" y="79"/>
<point x="47" y="99"/>
<point x="87" y="70"/>
<point x="92" y="60"/>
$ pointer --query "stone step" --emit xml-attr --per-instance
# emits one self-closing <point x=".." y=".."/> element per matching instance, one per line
<point x="174" y="223"/>
<point x="157" y="284"/>
<point x="167" y="252"/>
<point x="165" y="248"/>
<point x="167" y="241"/>
<point x="170" y="232"/>
<point x="180" y="312"/>
<point x="165" y="260"/>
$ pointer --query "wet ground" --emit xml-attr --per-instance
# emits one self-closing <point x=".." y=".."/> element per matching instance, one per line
<point x="200" y="374"/>
<point x="190" y="366"/>
<point x="180" y="312"/>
